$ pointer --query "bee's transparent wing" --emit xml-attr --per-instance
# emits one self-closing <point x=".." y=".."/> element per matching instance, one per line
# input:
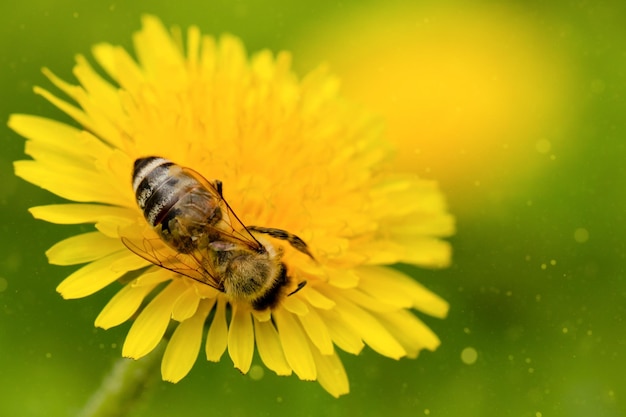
<point x="155" y="251"/>
<point x="232" y="228"/>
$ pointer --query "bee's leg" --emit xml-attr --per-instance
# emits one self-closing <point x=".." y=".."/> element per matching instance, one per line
<point x="300" y="286"/>
<point x="293" y="240"/>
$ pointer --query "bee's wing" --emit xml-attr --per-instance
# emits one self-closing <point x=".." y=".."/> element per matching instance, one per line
<point x="235" y="230"/>
<point x="155" y="251"/>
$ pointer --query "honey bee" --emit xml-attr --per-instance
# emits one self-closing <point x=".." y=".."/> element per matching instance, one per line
<point x="204" y="239"/>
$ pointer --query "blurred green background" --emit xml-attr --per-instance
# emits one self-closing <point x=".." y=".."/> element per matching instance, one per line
<point x="517" y="107"/>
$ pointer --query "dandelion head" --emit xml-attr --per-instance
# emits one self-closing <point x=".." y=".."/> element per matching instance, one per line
<point x="297" y="175"/>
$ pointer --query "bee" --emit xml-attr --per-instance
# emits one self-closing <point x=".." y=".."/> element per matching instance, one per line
<point x="204" y="239"/>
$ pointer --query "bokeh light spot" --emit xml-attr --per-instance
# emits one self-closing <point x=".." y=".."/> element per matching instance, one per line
<point x="469" y="355"/>
<point x="543" y="146"/>
<point x="581" y="235"/>
<point x="256" y="372"/>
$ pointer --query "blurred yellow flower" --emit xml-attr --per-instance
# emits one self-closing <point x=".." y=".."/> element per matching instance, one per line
<point x="291" y="154"/>
<point x="474" y="95"/>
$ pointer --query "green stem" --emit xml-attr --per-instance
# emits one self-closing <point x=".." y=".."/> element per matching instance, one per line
<point x="124" y="388"/>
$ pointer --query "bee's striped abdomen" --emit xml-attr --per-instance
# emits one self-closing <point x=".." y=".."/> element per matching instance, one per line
<point x="172" y="199"/>
<point x="155" y="189"/>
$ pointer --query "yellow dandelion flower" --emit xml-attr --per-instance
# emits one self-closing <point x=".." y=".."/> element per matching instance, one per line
<point x="291" y="154"/>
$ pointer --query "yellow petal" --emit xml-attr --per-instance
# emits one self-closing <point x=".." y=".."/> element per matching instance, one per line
<point x="383" y="284"/>
<point x="295" y="305"/>
<point x="86" y="148"/>
<point x="74" y="112"/>
<point x="232" y="56"/>
<point x="123" y="305"/>
<point x="241" y="338"/>
<point x="410" y="331"/>
<point x="344" y="336"/>
<point x="217" y="338"/>
<point x="182" y="349"/>
<point x="82" y="248"/>
<point x="153" y="276"/>
<point x="79" y="213"/>
<point x="368" y="302"/>
<point x="430" y="224"/>
<point x="131" y="262"/>
<point x="194" y="36"/>
<point x="99" y="90"/>
<point x="94" y="276"/>
<point x="426" y="252"/>
<point x="343" y="278"/>
<point x="208" y="56"/>
<point x="117" y="166"/>
<point x="186" y="304"/>
<point x="317" y="331"/>
<point x="159" y="56"/>
<point x="270" y="349"/>
<point x="75" y="92"/>
<point x="50" y="133"/>
<point x="115" y="228"/>
<point x="316" y="299"/>
<point x="149" y="328"/>
<point x="370" y="329"/>
<point x="263" y="315"/>
<point x="295" y="345"/>
<point x="331" y="374"/>
<point x="395" y="288"/>
<point x="72" y="184"/>
<point x="102" y="102"/>
<point x="416" y="250"/>
<point x="119" y="65"/>
<point x="400" y="196"/>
